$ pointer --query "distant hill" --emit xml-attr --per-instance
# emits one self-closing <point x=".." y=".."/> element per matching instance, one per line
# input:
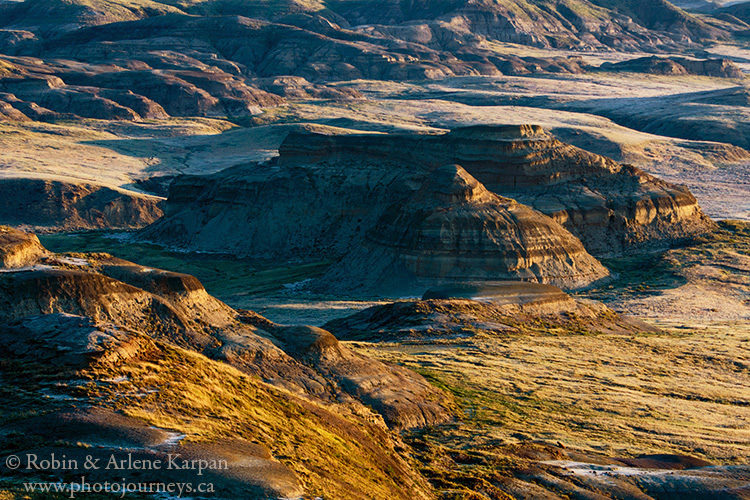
<point x="144" y="59"/>
<point x="739" y="10"/>
<point x="570" y="23"/>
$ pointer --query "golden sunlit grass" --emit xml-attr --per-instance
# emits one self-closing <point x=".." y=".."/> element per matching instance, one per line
<point x="621" y="395"/>
<point x="183" y="391"/>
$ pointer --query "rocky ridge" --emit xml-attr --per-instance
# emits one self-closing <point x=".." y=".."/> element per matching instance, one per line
<point x="504" y="308"/>
<point x="46" y="91"/>
<point x="175" y="308"/>
<point x="66" y="205"/>
<point x="577" y="23"/>
<point x="132" y="405"/>
<point x="722" y="68"/>
<point x="129" y="60"/>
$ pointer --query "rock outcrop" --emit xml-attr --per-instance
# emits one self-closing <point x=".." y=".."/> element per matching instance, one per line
<point x="327" y="195"/>
<point x="611" y="207"/>
<point x="403" y="400"/>
<point x="454" y="230"/>
<point x="723" y="68"/>
<point x="506" y="308"/>
<point x="58" y="205"/>
<point x="175" y="308"/>
<point x="133" y="92"/>
<point x="18" y="248"/>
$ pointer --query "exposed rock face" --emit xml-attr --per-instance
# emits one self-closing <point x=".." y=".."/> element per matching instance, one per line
<point x="266" y="210"/>
<point x="501" y="308"/>
<point x="610" y="207"/>
<point x="15" y="41"/>
<point x="175" y="308"/>
<point x="187" y="93"/>
<point x="401" y="399"/>
<point x="300" y="88"/>
<point x="111" y="92"/>
<point x="353" y="181"/>
<point x="454" y="230"/>
<point x="18" y="249"/>
<point x="142" y="60"/>
<point x="200" y="58"/>
<point x="263" y="49"/>
<point x="442" y="24"/>
<point x="621" y="24"/>
<point x="63" y="205"/>
<point x="723" y="68"/>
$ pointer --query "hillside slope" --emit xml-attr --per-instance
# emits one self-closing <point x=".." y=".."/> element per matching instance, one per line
<point x="167" y="368"/>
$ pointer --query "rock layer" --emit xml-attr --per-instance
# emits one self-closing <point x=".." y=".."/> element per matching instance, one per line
<point x="18" y="249"/>
<point x="454" y="230"/>
<point x="610" y="207"/>
<point x="722" y="68"/>
<point x="325" y="194"/>
<point x="502" y="309"/>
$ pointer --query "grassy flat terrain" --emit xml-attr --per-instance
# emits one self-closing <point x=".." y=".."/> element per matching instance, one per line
<point x="708" y="280"/>
<point x="678" y="392"/>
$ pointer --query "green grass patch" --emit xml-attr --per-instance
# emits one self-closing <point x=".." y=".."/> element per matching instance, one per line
<point x="227" y="277"/>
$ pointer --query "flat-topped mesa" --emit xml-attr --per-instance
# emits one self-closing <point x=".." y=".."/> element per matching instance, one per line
<point x="501" y="157"/>
<point x="325" y="193"/>
<point x="611" y="207"/>
<point x="454" y="230"/>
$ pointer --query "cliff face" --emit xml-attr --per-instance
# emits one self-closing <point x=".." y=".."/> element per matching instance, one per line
<point x="281" y="211"/>
<point x="610" y="207"/>
<point x="454" y="230"/>
<point x="327" y="195"/>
